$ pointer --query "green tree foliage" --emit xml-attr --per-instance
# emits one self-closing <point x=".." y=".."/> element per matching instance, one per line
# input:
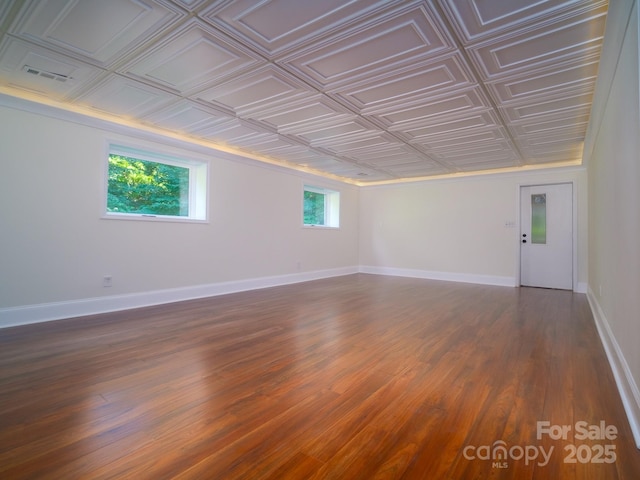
<point x="313" y="208"/>
<point x="144" y="187"/>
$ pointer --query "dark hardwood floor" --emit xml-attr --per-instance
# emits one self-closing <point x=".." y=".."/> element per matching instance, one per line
<point x="356" y="377"/>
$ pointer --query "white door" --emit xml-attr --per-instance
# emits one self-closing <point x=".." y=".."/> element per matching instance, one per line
<point x="546" y="236"/>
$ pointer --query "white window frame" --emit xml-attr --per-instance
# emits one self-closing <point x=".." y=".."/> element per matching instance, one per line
<point x="331" y="207"/>
<point x="198" y="184"/>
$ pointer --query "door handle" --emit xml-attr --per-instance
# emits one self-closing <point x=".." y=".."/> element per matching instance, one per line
<point x="524" y="241"/>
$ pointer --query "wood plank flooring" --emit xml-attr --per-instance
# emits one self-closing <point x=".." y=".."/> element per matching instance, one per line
<point x="356" y="377"/>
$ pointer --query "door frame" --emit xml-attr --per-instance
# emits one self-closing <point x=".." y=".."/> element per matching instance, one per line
<point x="574" y="228"/>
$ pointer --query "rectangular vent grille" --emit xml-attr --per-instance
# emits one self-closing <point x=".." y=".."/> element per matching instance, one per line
<point x="44" y="74"/>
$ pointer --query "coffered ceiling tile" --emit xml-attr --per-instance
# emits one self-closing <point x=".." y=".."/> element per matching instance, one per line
<point x="388" y="156"/>
<point x="191" y="58"/>
<point x="333" y="131"/>
<point x="5" y="18"/>
<point x="293" y="154"/>
<point x="366" y="89"/>
<point x="234" y="132"/>
<point x="574" y="77"/>
<point x="353" y="170"/>
<point x="371" y="141"/>
<point x="383" y="44"/>
<point x="551" y="125"/>
<point x="434" y="109"/>
<point x="455" y="126"/>
<point x="262" y="88"/>
<point x="568" y="105"/>
<point x="503" y="149"/>
<point x="185" y="116"/>
<point x="483" y="163"/>
<point x="35" y="69"/>
<point x="320" y="161"/>
<point x="126" y="98"/>
<point x="289" y="116"/>
<point x="278" y="25"/>
<point x="344" y="169"/>
<point x="472" y="137"/>
<point x="406" y="84"/>
<point x="569" y="38"/>
<point x="275" y="144"/>
<point x="550" y="142"/>
<point x="416" y="169"/>
<point x="476" y="19"/>
<point x="554" y="152"/>
<point x="95" y="30"/>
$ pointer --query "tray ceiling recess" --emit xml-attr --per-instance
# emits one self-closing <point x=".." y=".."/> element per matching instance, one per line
<point x="361" y="90"/>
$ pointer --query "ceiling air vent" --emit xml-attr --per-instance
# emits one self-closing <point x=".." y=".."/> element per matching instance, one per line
<point x="45" y="74"/>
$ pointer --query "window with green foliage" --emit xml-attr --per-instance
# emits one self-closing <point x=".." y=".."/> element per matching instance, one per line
<point x="144" y="185"/>
<point x="321" y="207"/>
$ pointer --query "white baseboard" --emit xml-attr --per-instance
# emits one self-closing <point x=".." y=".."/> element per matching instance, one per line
<point x="627" y="386"/>
<point x="445" y="276"/>
<point x="23" y="315"/>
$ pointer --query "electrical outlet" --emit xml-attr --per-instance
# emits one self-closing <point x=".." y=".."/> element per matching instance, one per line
<point x="107" y="281"/>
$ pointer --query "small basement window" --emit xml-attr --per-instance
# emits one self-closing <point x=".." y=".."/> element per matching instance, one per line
<point x="321" y="207"/>
<point x="145" y="185"/>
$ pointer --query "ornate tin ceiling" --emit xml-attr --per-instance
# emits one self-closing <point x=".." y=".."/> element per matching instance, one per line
<point x="367" y="91"/>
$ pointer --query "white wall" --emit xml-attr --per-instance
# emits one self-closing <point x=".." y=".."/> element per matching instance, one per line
<point x="55" y="247"/>
<point x="613" y="157"/>
<point x="455" y="229"/>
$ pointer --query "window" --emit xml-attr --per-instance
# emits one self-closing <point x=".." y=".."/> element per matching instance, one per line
<point x="147" y="185"/>
<point x="321" y="207"/>
<point x="539" y="218"/>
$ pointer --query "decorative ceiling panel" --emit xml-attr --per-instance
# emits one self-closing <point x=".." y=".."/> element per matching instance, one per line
<point x="579" y="104"/>
<point x="300" y="114"/>
<point x="369" y="142"/>
<point x="332" y="131"/>
<point x="434" y="110"/>
<point x="187" y="117"/>
<point x="478" y="19"/>
<point x="258" y="89"/>
<point x="550" y="125"/>
<point x="123" y="97"/>
<point x="579" y="77"/>
<point x="234" y="132"/>
<point x="191" y="57"/>
<point x="417" y="169"/>
<point x="366" y="90"/>
<point x="410" y="84"/>
<point x="453" y="127"/>
<point x="397" y="38"/>
<point x="500" y="149"/>
<point x="274" y="26"/>
<point x="568" y="38"/>
<point x="474" y="137"/>
<point x="35" y="69"/>
<point x="94" y="29"/>
<point x="395" y="157"/>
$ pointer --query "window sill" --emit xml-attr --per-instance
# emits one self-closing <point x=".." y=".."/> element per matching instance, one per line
<point x="151" y="218"/>
<point x="321" y="227"/>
